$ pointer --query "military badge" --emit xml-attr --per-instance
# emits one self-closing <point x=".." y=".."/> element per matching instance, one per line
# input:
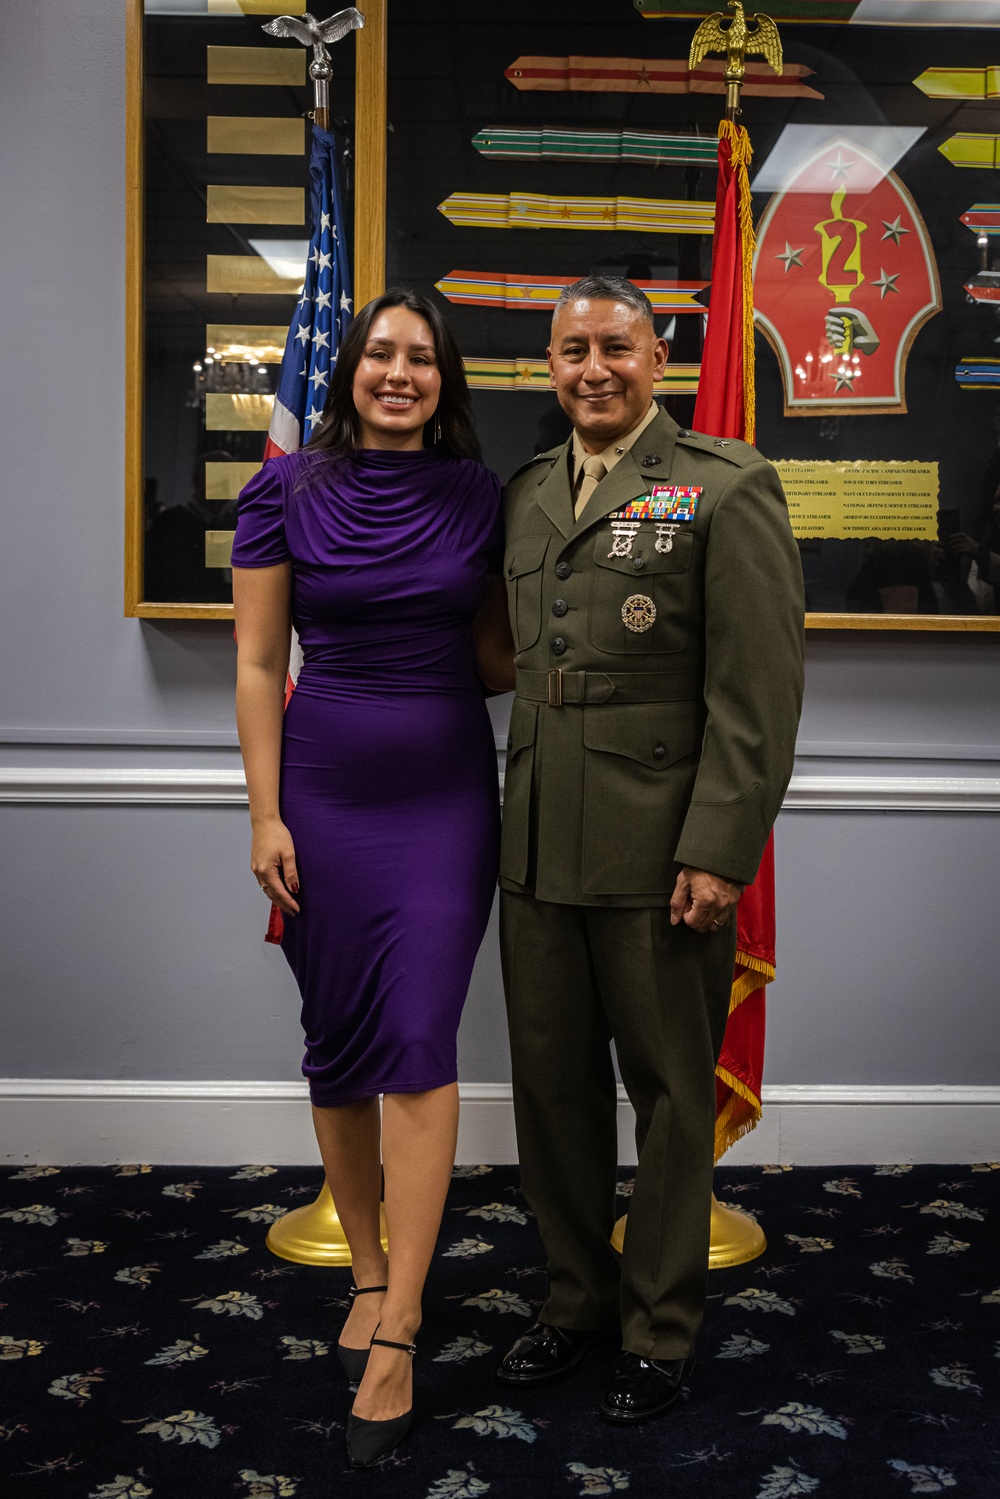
<point x="624" y="533"/>
<point x="638" y="613"/>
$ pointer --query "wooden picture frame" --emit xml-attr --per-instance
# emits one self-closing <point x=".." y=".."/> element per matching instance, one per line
<point x="369" y="267"/>
<point x="369" y="280"/>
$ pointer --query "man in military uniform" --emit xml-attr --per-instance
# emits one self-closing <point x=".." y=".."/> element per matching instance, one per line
<point x="655" y="597"/>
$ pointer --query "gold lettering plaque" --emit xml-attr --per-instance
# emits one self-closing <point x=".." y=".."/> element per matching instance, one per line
<point x="257" y="66"/>
<point x="219" y="548"/>
<point x="254" y="205"/>
<point x="237" y="413"/>
<point x="886" y="499"/>
<point x="256" y="8"/>
<point x="233" y="274"/>
<point x="223" y="481"/>
<point x="256" y="135"/>
<point x="241" y="341"/>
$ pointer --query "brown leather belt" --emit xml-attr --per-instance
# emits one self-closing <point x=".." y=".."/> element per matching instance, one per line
<point x="560" y="688"/>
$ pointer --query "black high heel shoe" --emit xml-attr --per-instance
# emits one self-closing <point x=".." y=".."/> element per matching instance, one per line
<point x="369" y="1441"/>
<point x="354" y="1361"/>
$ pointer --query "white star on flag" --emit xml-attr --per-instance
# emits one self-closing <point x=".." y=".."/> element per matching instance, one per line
<point x="322" y="316"/>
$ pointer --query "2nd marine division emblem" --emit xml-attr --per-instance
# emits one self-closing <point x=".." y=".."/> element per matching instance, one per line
<point x="638" y="613"/>
<point x="844" y="278"/>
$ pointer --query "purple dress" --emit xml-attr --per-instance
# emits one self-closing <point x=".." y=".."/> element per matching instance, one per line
<point x="388" y="765"/>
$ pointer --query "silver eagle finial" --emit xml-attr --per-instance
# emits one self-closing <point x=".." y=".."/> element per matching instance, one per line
<point x="318" y="35"/>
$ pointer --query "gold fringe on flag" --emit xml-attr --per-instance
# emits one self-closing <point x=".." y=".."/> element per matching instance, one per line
<point x="741" y="156"/>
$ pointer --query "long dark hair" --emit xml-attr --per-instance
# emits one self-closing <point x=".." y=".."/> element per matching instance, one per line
<point x="339" y="430"/>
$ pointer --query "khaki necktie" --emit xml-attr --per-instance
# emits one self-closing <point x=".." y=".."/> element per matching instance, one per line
<point x="591" y="475"/>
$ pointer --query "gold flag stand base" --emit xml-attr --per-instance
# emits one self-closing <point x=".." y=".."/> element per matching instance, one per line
<point x="313" y="1235"/>
<point x="735" y="1237"/>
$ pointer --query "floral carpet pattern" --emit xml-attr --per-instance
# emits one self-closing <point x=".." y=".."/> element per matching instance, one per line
<point x="152" y="1348"/>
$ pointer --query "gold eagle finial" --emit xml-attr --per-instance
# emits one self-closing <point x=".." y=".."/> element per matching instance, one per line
<point x="736" y="40"/>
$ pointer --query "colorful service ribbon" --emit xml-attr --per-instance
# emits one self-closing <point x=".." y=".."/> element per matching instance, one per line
<point x="533" y="374"/>
<point x="497" y="289"/>
<point x="967" y="150"/>
<point x="984" y="288"/>
<point x="982" y="218"/>
<point x="978" y="374"/>
<point x="960" y="83"/>
<point x="652" y="75"/>
<point x="653" y="146"/>
<point x="543" y="211"/>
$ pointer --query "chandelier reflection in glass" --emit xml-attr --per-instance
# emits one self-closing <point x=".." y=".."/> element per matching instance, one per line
<point x="220" y="374"/>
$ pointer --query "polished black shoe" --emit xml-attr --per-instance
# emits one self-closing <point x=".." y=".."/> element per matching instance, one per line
<point x="368" y="1442"/>
<point x="354" y="1361"/>
<point x="641" y="1388"/>
<point x="545" y="1353"/>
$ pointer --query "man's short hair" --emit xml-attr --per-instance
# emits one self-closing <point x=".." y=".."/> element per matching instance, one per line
<point x="606" y="289"/>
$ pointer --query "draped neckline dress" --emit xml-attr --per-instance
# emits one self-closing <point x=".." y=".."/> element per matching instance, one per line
<point x="388" y="763"/>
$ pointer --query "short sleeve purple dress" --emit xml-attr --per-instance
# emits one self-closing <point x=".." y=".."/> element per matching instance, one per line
<point x="388" y="765"/>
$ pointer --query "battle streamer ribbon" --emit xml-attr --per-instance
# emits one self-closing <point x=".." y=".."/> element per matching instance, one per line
<point x="652" y="75"/>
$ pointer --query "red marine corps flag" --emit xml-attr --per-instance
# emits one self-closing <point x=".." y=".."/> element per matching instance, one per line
<point x="725" y="408"/>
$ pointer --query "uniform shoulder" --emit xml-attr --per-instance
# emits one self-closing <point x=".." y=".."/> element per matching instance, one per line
<point x="729" y="449"/>
<point x="548" y="458"/>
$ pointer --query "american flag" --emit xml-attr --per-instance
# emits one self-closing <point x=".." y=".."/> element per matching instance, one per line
<point x="323" y="312"/>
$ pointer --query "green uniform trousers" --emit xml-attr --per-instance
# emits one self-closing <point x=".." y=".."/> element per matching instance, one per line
<point x="576" y="978"/>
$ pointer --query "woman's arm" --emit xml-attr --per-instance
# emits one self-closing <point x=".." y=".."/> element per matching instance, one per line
<point x="262" y="599"/>
<point x="494" y="642"/>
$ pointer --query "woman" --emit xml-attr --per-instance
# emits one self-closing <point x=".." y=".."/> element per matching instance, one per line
<point x="373" y="799"/>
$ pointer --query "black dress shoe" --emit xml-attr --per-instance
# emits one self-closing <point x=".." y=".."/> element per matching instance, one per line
<point x="354" y="1361"/>
<point x="641" y="1388"/>
<point x="368" y="1442"/>
<point x="545" y="1353"/>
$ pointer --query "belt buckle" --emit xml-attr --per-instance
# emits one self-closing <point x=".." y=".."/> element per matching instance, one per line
<point x="554" y="689"/>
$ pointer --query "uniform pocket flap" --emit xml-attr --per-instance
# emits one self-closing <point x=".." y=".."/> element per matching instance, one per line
<point x="521" y="733"/>
<point x="643" y="550"/>
<point x="525" y="555"/>
<point x="655" y="734"/>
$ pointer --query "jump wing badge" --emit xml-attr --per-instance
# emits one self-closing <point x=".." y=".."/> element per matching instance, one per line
<point x="844" y="278"/>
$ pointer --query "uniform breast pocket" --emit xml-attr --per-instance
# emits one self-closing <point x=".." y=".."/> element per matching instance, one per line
<point x="522" y="568"/>
<point x="640" y="604"/>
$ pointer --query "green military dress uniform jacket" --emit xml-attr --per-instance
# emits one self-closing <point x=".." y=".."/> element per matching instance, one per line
<point x="633" y="751"/>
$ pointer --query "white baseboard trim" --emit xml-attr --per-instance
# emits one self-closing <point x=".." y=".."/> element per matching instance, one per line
<point x="65" y="1122"/>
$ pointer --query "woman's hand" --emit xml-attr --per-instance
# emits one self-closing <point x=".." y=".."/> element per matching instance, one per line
<point x="272" y="859"/>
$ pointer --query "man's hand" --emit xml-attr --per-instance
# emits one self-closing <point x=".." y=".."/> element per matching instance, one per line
<point x="704" y="901"/>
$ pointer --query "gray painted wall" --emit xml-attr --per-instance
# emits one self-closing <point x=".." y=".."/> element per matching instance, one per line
<point x="131" y="939"/>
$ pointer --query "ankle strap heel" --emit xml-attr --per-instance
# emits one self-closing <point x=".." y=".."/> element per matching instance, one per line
<point x="409" y="1348"/>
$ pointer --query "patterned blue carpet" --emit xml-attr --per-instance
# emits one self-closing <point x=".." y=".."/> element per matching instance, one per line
<point x="152" y="1348"/>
